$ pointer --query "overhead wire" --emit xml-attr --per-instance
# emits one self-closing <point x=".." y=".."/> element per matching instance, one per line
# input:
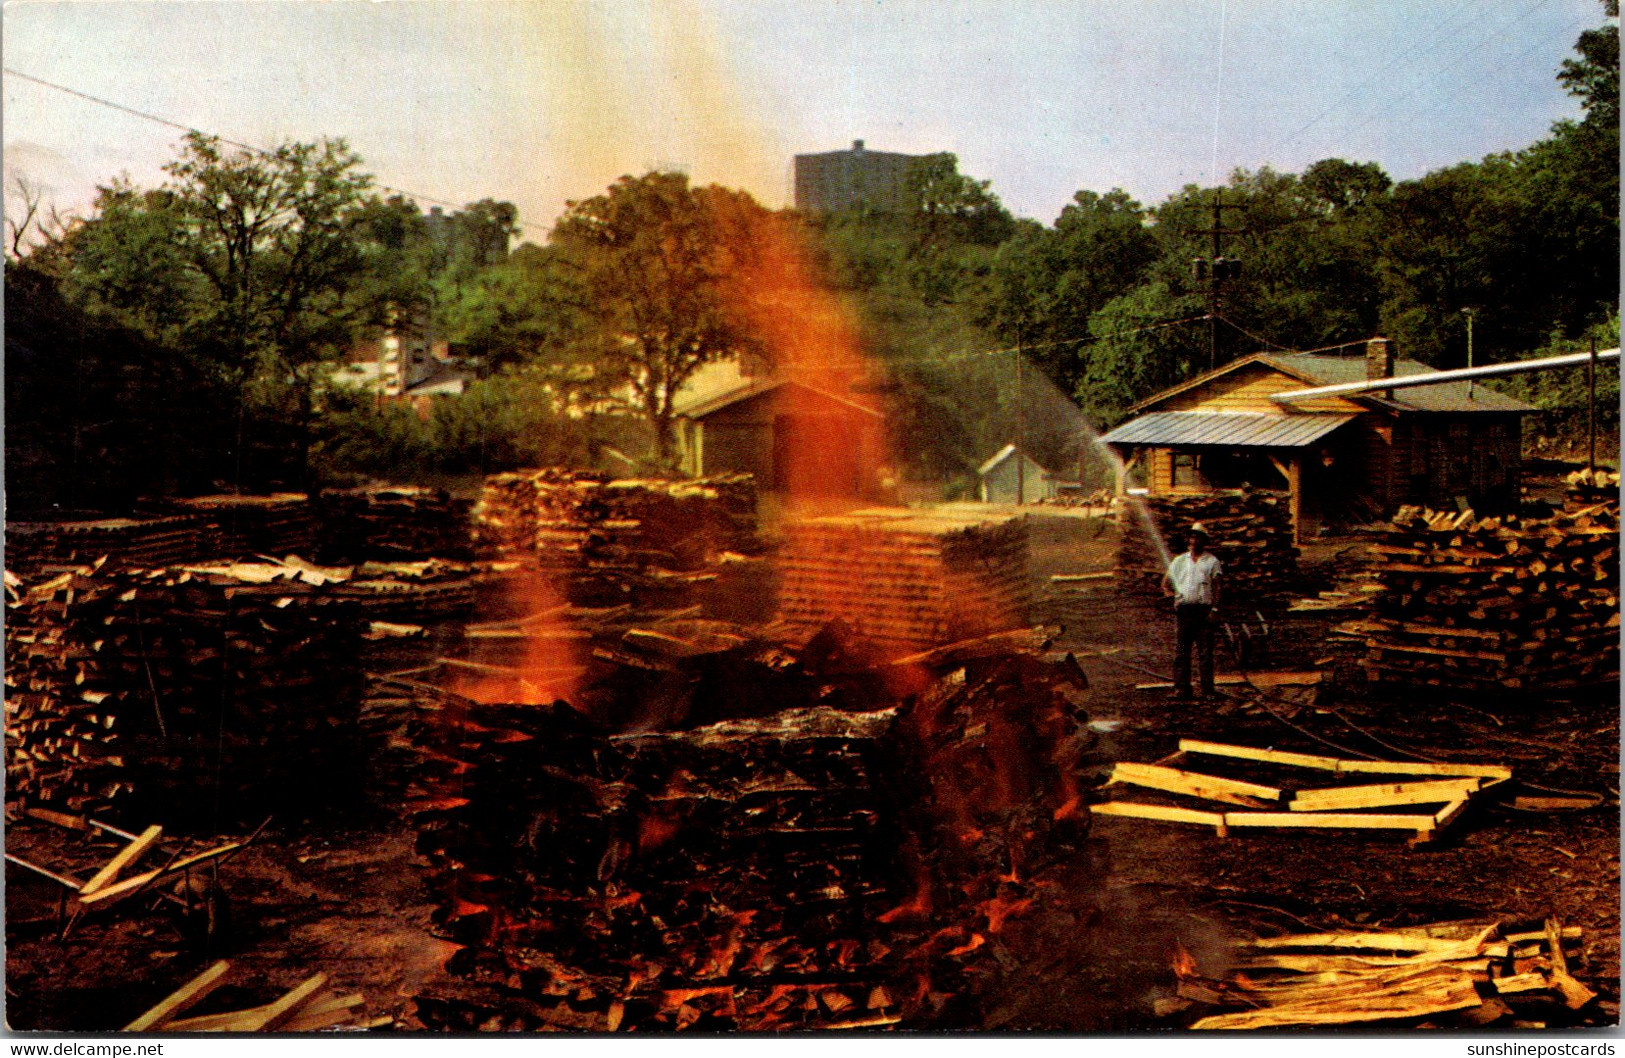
<point x="193" y="130"/>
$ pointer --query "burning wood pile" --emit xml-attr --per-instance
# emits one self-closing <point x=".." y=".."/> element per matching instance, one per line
<point x="393" y="522"/>
<point x="1249" y="530"/>
<point x="1448" y="975"/>
<point x="905" y="579"/>
<point x="1495" y="604"/>
<point x="639" y="541"/>
<point x="197" y="690"/>
<point x="813" y="868"/>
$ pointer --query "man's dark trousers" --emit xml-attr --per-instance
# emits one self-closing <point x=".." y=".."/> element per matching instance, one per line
<point x="1194" y="634"/>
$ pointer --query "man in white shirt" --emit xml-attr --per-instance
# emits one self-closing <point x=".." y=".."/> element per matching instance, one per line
<point x="1193" y="580"/>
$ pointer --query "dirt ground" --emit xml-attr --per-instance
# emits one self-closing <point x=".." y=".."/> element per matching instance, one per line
<point x="345" y="894"/>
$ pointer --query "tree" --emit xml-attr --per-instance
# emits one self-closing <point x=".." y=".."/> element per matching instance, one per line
<point x="248" y="263"/>
<point x="665" y="273"/>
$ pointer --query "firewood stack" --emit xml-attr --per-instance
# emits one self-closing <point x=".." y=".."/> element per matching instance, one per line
<point x="1589" y="487"/>
<point x="750" y="874"/>
<point x="1249" y="530"/>
<point x="281" y="523"/>
<point x="394" y="523"/>
<point x="639" y="541"/>
<point x="188" y="692"/>
<point x="1495" y="604"/>
<point x="905" y="579"/>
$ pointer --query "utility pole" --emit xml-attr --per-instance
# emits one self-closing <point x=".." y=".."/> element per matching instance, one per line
<point x="1021" y="421"/>
<point x="1216" y="269"/>
<point x="1469" y="314"/>
<point x="1591" y="409"/>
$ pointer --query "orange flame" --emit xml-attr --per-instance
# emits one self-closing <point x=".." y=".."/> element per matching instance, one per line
<point x="976" y="941"/>
<point x="1183" y="962"/>
<point x="549" y="664"/>
<point x="1001" y="908"/>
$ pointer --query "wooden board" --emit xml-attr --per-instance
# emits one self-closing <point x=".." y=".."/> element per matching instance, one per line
<point x="1193" y="784"/>
<point x="1441" y="791"/>
<point x="1173" y="815"/>
<point x="125" y="856"/>
<point x="139" y="881"/>
<point x="1329" y="819"/>
<point x="271" y="1017"/>
<point x="1375" y="767"/>
<point x="1440" y="947"/>
<point x="181" y="999"/>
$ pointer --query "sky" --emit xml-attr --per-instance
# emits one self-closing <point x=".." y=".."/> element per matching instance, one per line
<point x="539" y="102"/>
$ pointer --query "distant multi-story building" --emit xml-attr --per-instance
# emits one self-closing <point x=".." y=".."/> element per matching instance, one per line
<point x="839" y="180"/>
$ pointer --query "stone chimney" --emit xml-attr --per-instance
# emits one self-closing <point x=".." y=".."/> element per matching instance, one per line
<point x="857" y="145"/>
<point x="1379" y="361"/>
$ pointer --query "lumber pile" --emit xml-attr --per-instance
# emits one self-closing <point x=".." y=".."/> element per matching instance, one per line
<point x="1249" y="530"/>
<point x="307" y="1007"/>
<point x="392" y="523"/>
<point x="137" y="542"/>
<point x="1588" y="487"/>
<point x="811" y="868"/>
<point x="608" y="541"/>
<point x="280" y="523"/>
<point x="905" y="579"/>
<point x="1494" y="604"/>
<point x="1416" y="799"/>
<point x="173" y="683"/>
<point x="1447" y="975"/>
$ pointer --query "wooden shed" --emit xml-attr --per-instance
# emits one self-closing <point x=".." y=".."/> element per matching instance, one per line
<point x="1013" y="476"/>
<point x="794" y="438"/>
<point x="1344" y="458"/>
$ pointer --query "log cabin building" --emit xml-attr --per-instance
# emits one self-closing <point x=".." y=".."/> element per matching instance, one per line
<point x="1344" y="458"/>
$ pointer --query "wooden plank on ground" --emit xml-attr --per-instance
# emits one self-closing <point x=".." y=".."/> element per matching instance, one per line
<point x="1436" y="999"/>
<point x="181" y="999"/>
<point x="125" y="856"/>
<point x="1193" y="784"/>
<point x="1381" y="795"/>
<point x="319" y="1015"/>
<point x="1319" y="963"/>
<point x="1337" y="764"/>
<point x="1347" y="820"/>
<point x="1441" y="947"/>
<point x="139" y="881"/>
<point x="1163" y="812"/>
<point x="271" y="1016"/>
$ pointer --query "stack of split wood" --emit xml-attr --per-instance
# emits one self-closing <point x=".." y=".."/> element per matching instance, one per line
<point x="755" y="873"/>
<point x="178" y="682"/>
<point x="394" y="523"/>
<point x="307" y="1007"/>
<point x="906" y="579"/>
<point x="1449" y="975"/>
<point x="1416" y="799"/>
<point x="1249" y="530"/>
<point x="639" y="541"/>
<point x="138" y="542"/>
<point x="280" y="523"/>
<point x="1589" y="487"/>
<point x="1495" y="604"/>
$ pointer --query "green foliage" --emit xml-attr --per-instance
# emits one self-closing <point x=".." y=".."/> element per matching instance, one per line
<point x="1560" y="428"/>
<point x="666" y="274"/>
<point x="1138" y="350"/>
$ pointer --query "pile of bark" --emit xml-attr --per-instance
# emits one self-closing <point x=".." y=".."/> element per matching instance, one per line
<point x="637" y="541"/>
<point x="1249" y="530"/>
<point x="179" y="693"/>
<point x="812" y="868"/>
<point x="1494" y="604"/>
<point x="392" y="523"/>
<point x="1447" y="975"/>
<point x="905" y="579"/>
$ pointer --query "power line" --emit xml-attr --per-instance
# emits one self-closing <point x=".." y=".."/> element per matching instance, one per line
<point x="1027" y="347"/>
<point x="180" y="126"/>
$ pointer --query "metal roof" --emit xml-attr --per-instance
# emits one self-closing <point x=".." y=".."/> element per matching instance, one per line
<point x="1225" y="429"/>
<point x="756" y="389"/>
<point x="1444" y="396"/>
